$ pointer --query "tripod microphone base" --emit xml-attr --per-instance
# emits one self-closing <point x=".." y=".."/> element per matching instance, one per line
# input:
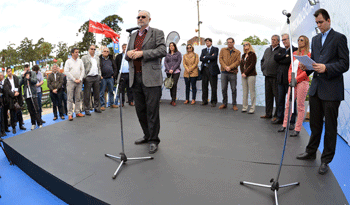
<point x="274" y="187"/>
<point x="123" y="160"/>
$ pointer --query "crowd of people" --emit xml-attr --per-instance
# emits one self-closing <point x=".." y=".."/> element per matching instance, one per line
<point x="141" y="78"/>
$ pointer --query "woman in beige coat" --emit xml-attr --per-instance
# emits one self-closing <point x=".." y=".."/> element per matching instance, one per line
<point x="190" y="62"/>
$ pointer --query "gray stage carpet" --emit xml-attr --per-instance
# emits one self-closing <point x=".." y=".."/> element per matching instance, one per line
<point x="203" y="155"/>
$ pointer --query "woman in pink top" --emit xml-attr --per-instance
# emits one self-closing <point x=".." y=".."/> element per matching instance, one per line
<point x="301" y="88"/>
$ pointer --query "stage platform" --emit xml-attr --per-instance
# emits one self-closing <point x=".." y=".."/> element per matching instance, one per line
<point x="203" y="155"/>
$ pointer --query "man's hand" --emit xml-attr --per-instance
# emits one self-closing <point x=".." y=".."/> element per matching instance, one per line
<point x="319" y="67"/>
<point x="227" y="69"/>
<point x="16" y="93"/>
<point x="28" y="76"/>
<point x="243" y="75"/>
<point x="137" y="54"/>
<point x="54" y="91"/>
<point x="171" y="71"/>
<point x="38" y="85"/>
<point x="77" y="81"/>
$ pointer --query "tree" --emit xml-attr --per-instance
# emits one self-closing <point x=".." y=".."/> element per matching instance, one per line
<point x="255" y="40"/>
<point x="62" y="51"/>
<point x="111" y="21"/>
<point x="183" y="44"/>
<point x="89" y="38"/>
<point x="219" y="42"/>
<point x="26" y="51"/>
<point x="45" y="50"/>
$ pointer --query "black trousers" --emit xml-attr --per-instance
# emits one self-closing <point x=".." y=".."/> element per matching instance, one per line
<point x="329" y="110"/>
<point x="5" y="110"/>
<point x="173" y="90"/>
<point x="213" y="79"/>
<point x="57" y="102"/>
<point x="94" y="83"/>
<point x="124" y="85"/>
<point x="16" y="116"/>
<point x="271" y="93"/>
<point x="147" y="108"/>
<point x="33" y="108"/>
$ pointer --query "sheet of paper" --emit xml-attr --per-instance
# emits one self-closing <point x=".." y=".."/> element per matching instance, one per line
<point x="306" y="60"/>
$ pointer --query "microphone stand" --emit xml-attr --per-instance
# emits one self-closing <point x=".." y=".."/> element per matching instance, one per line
<point x="123" y="159"/>
<point x="275" y="184"/>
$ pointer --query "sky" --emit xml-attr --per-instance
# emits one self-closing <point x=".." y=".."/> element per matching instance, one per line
<point x="59" y="20"/>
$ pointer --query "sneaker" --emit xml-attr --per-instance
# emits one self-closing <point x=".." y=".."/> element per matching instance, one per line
<point x="80" y="115"/>
<point x="70" y="118"/>
<point x="33" y="127"/>
<point x="40" y="126"/>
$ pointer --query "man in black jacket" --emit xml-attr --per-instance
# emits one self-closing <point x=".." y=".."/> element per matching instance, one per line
<point x="283" y="58"/>
<point x="13" y="95"/>
<point x="124" y="84"/>
<point x="108" y="71"/>
<point x="2" y="99"/>
<point x="210" y="71"/>
<point x="269" y="68"/>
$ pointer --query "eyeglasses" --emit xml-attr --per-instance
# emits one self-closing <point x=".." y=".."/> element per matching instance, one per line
<point x="189" y="47"/>
<point x="92" y="49"/>
<point x="300" y="39"/>
<point x="141" y="17"/>
<point x="246" y="44"/>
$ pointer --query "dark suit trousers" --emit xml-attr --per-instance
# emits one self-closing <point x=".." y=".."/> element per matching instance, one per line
<point x="33" y="109"/>
<point x="125" y="85"/>
<point x="4" y="113"/>
<point x="213" y="79"/>
<point x="57" y="102"/>
<point x="94" y="83"/>
<point x="16" y="116"/>
<point x="271" y="92"/>
<point x="147" y="108"/>
<point x="320" y="109"/>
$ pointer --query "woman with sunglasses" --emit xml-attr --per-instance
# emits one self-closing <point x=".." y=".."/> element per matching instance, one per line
<point x="300" y="89"/>
<point x="248" y="71"/>
<point x="172" y="64"/>
<point x="190" y="62"/>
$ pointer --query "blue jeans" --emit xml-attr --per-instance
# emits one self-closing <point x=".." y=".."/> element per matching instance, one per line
<point x="109" y="82"/>
<point x="192" y="81"/>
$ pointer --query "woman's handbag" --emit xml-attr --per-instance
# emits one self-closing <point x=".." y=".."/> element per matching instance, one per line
<point x="17" y="106"/>
<point x="169" y="82"/>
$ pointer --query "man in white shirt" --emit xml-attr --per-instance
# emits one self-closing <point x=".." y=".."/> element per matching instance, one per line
<point x="92" y="77"/>
<point x="74" y="70"/>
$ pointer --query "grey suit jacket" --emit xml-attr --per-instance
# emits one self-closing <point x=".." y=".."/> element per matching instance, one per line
<point x="154" y="49"/>
<point x="87" y="64"/>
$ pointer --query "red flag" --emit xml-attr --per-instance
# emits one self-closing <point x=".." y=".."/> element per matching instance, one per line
<point x="95" y="27"/>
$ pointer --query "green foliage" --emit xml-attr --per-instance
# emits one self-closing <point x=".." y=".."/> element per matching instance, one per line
<point x="255" y="40"/>
<point x="219" y="42"/>
<point x="62" y="51"/>
<point x="111" y="21"/>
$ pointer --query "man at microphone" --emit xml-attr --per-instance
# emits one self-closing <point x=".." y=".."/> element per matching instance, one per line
<point x="145" y="50"/>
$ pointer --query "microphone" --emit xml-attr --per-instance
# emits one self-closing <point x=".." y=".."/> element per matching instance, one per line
<point x="131" y="29"/>
<point x="284" y="12"/>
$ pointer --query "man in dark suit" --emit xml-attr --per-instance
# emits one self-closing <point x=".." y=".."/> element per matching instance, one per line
<point x="124" y="83"/>
<point x="13" y="94"/>
<point x="331" y="54"/>
<point x="210" y="71"/>
<point x="145" y="51"/>
<point x="54" y="83"/>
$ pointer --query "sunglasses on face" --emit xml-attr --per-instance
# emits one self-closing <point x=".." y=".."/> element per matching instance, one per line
<point x="92" y="49"/>
<point x="141" y="17"/>
<point x="189" y="47"/>
<point x="246" y="44"/>
<point x="300" y="39"/>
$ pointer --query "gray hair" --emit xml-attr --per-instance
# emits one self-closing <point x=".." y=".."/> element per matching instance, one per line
<point x="277" y="36"/>
<point x="283" y="34"/>
<point x="144" y="11"/>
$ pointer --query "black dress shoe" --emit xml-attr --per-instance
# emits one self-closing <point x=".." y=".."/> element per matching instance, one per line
<point x="282" y="129"/>
<point x="153" y="148"/>
<point x="294" y="133"/>
<point x="7" y="130"/>
<point x="87" y="112"/>
<point x="22" y="128"/>
<point x="213" y="104"/>
<point x="204" y="103"/>
<point x="14" y="131"/>
<point x="277" y="121"/>
<point x="98" y="110"/>
<point x="141" y="141"/>
<point x="291" y="126"/>
<point x="306" y="156"/>
<point x="323" y="169"/>
<point x="3" y="134"/>
<point x="42" y="121"/>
